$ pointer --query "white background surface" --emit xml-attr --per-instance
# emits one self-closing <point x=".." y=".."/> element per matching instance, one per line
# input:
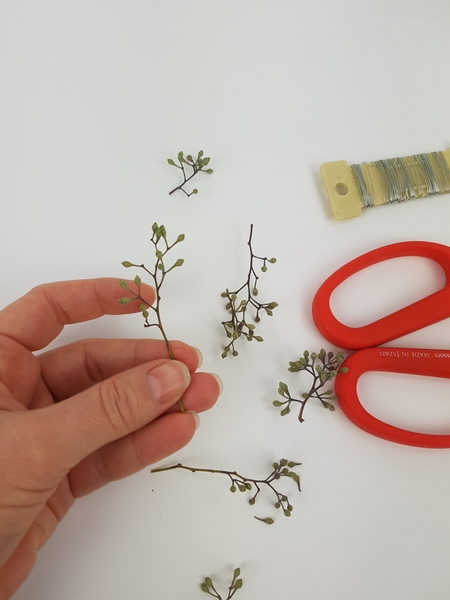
<point x="95" y="96"/>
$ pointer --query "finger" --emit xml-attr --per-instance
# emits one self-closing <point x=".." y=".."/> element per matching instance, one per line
<point x="20" y="564"/>
<point x="23" y="547"/>
<point x="69" y="431"/>
<point x="152" y="443"/>
<point x="19" y="374"/>
<point x="126" y="456"/>
<point x="71" y="369"/>
<point x="7" y="401"/>
<point x="202" y="393"/>
<point x="38" y="317"/>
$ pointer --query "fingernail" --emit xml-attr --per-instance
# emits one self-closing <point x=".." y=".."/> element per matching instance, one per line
<point x="196" y="418"/>
<point x="168" y="381"/>
<point x="200" y="357"/>
<point x="219" y="381"/>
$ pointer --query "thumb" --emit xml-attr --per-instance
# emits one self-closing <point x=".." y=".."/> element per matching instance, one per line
<point x="73" y="429"/>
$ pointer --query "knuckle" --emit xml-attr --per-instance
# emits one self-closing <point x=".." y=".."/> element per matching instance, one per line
<point x="119" y="403"/>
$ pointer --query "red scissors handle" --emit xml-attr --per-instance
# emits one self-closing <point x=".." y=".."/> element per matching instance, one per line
<point x="434" y="363"/>
<point x="422" y="313"/>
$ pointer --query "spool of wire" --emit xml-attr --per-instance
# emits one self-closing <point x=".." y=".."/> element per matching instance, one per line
<point x="351" y="189"/>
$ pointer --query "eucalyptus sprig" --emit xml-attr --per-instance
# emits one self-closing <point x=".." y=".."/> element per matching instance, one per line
<point x="189" y="163"/>
<point x="240" y="301"/>
<point x="243" y="484"/>
<point x="235" y="585"/>
<point x="158" y="275"/>
<point x="323" y="367"/>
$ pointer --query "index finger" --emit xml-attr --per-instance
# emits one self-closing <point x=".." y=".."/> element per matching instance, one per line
<point x="34" y="320"/>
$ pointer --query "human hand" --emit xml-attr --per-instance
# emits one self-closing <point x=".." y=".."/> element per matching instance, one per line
<point x="78" y="417"/>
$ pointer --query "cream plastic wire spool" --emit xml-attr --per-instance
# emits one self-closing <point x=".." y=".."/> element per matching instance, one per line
<point x="356" y="187"/>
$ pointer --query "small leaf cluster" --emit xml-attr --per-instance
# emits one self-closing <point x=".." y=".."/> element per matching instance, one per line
<point x="193" y="165"/>
<point x="235" y="585"/>
<point x="243" y="300"/>
<point x="283" y="469"/>
<point x="280" y="469"/>
<point x="323" y="367"/>
<point x="158" y="275"/>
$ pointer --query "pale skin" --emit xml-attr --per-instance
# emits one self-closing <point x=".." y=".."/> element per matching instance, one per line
<point x="78" y="417"/>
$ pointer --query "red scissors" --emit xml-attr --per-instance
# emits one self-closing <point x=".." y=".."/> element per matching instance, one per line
<point x="366" y="340"/>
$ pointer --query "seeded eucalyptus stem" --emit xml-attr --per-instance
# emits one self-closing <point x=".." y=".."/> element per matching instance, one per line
<point x="243" y="484"/>
<point x="196" y="165"/>
<point x="235" y="585"/>
<point x="238" y="307"/>
<point x="158" y="276"/>
<point x="323" y="367"/>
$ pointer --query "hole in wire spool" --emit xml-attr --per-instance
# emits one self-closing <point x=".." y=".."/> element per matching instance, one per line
<point x="341" y="189"/>
<point x="385" y="287"/>
<point x="411" y="402"/>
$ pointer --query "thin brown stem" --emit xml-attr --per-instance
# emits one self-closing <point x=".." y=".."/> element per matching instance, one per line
<point x="186" y="179"/>
<point x="158" y="276"/>
<point x="243" y="483"/>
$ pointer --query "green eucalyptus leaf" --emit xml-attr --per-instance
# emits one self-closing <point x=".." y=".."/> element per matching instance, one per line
<point x="268" y="520"/>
